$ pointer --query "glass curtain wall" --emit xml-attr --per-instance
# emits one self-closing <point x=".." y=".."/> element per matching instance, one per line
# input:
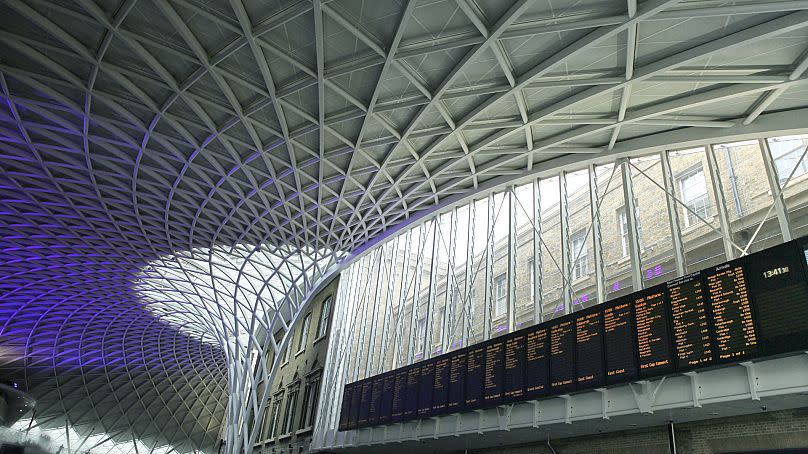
<point x="549" y="246"/>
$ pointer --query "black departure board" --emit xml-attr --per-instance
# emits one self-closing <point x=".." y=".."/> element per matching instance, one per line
<point x="619" y="340"/>
<point x="653" y="334"/>
<point x="386" y="406"/>
<point x="364" y="404"/>
<point x="494" y="368"/>
<point x="440" y="388"/>
<point x="562" y="354"/>
<point x="426" y="381"/>
<point x="375" y="400"/>
<point x="589" y="364"/>
<point x="399" y="393"/>
<point x="537" y="361"/>
<point x="411" y="392"/>
<point x="457" y="381"/>
<point x="475" y="374"/>
<point x="356" y="397"/>
<point x="778" y="287"/>
<point x="692" y="340"/>
<point x="752" y="307"/>
<point x="514" y="381"/>
<point x="345" y="407"/>
<point x="735" y="334"/>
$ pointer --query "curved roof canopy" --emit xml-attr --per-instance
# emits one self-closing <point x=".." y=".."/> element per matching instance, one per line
<point x="176" y="175"/>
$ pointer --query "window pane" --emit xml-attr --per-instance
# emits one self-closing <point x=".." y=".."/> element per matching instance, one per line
<point x="440" y="287"/>
<point x="616" y="265"/>
<point x="413" y="243"/>
<point x="698" y="214"/>
<point x="653" y="225"/>
<point x="478" y="240"/>
<point x="366" y="308"/>
<point x="458" y="285"/>
<point x="786" y="152"/>
<point x="524" y="209"/>
<point x="382" y="304"/>
<point x="582" y="280"/>
<point x="746" y="191"/>
<point x="424" y="331"/>
<point x="552" y="297"/>
<point x="396" y="319"/>
<point x="499" y="236"/>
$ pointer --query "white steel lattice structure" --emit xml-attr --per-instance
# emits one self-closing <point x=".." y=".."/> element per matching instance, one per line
<point x="177" y="176"/>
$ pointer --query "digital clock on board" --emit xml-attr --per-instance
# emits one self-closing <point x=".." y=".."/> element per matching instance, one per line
<point x="779" y="271"/>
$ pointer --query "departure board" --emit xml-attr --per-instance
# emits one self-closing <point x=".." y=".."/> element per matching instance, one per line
<point x="440" y="388"/>
<point x="752" y="307"/>
<point x="692" y="340"/>
<point x="345" y="407"/>
<point x="515" y="346"/>
<point x="619" y="340"/>
<point x="426" y="380"/>
<point x="386" y="407"/>
<point x="475" y="373"/>
<point x="537" y="361"/>
<point x="364" y="404"/>
<point x="735" y="334"/>
<point x="399" y="393"/>
<point x="411" y="393"/>
<point x="356" y="398"/>
<point x="494" y="368"/>
<point x="562" y="354"/>
<point x="778" y="286"/>
<point x="589" y="348"/>
<point x="457" y="381"/>
<point x="653" y="334"/>
<point x="375" y="400"/>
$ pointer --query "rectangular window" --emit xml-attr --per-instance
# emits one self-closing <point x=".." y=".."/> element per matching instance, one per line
<point x="286" y="354"/>
<point x="276" y="413"/>
<point x="693" y="188"/>
<point x="291" y="405"/>
<point x="500" y="296"/>
<point x="313" y="392"/>
<point x="786" y="152"/>
<point x="622" y="222"/>
<point x="580" y="255"/>
<point x="325" y="315"/>
<point x="304" y="333"/>
<point x="420" y="332"/>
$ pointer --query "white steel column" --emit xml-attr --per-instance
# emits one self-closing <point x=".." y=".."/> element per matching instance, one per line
<point x="673" y="214"/>
<point x="630" y="207"/>
<point x="566" y="249"/>
<point x="511" y="258"/>
<point x="538" y="310"/>
<point x="774" y="187"/>
<point x="596" y="240"/>
<point x="721" y="204"/>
